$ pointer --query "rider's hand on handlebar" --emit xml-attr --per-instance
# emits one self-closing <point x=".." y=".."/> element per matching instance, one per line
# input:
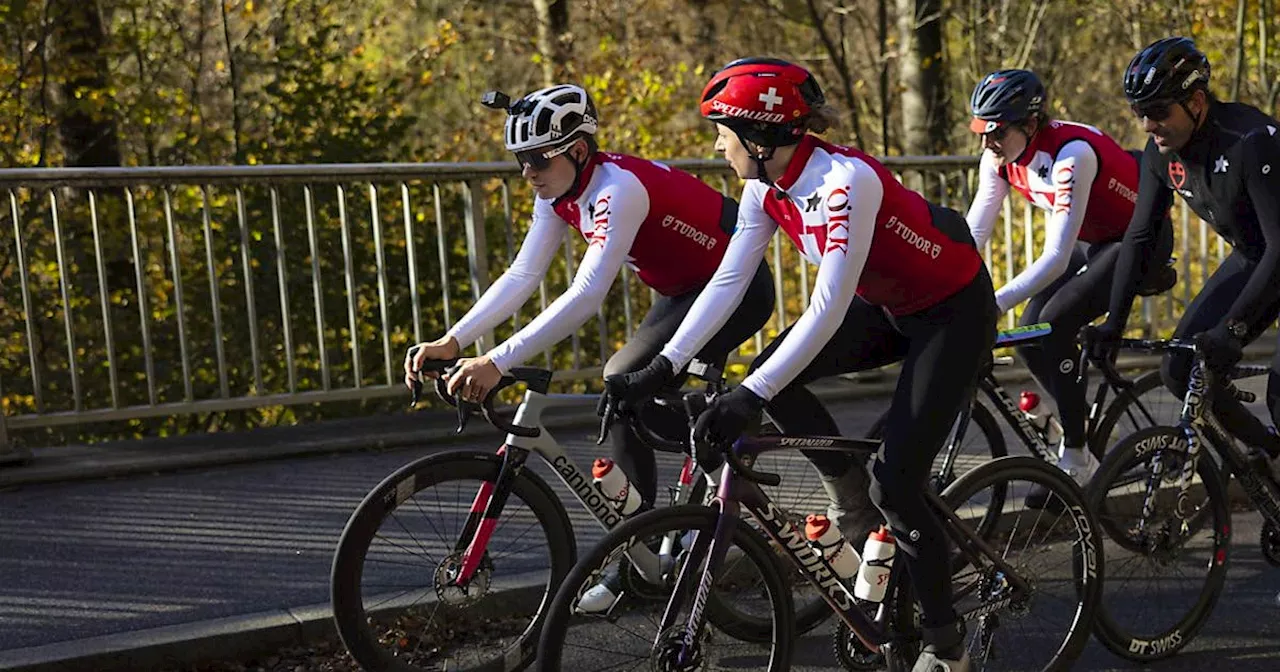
<point x="474" y="378"/>
<point x="728" y="416"/>
<point x="445" y="347"/>
<point x="1102" y="342"/>
<point x="638" y="387"/>
<point x="1221" y="349"/>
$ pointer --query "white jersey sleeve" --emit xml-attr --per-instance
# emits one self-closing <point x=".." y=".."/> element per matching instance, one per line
<point x="722" y="294"/>
<point x="505" y="296"/>
<point x="990" y="195"/>
<point x="835" y="286"/>
<point x="610" y="243"/>
<point x="1074" y="170"/>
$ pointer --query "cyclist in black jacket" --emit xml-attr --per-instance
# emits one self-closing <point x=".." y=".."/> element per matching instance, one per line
<point x="1224" y="160"/>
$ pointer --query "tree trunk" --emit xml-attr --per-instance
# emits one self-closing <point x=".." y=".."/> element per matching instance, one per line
<point x="85" y="122"/>
<point x="705" y="36"/>
<point x="1235" y="84"/>
<point x="817" y="18"/>
<point x="920" y="69"/>
<point x="882" y="33"/>
<point x="553" y="38"/>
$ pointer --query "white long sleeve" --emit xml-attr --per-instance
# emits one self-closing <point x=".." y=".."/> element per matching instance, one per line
<point x="610" y="242"/>
<point x="717" y="301"/>
<point x="1073" y="173"/>
<point x="505" y="296"/>
<point x="834" y="288"/>
<point x="990" y="195"/>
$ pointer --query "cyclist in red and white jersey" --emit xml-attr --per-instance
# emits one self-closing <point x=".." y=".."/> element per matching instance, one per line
<point x="667" y="225"/>
<point x="1089" y="185"/>
<point x="899" y="279"/>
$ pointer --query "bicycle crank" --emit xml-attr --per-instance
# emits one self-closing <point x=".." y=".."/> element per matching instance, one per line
<point x="852" y="653"/>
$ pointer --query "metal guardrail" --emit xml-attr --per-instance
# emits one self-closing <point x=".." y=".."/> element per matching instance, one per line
<point x="120" y="271"/>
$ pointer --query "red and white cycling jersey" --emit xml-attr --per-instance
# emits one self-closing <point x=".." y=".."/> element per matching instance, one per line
<point x="869" y="235"/>
<point x="679" y="241"/>
<point x="662" y="222"/>
<point x="1087" y="182"/>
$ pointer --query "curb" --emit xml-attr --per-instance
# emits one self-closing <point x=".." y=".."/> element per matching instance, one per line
<point x="220" y="639"/>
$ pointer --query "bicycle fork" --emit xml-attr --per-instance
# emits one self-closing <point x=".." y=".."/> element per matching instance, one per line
<point x="485" y="511"/>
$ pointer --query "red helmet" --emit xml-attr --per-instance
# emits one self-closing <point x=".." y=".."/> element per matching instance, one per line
<point x="763" y="100"/>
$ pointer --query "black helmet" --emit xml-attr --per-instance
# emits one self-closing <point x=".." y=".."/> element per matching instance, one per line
<point x="1005" y="96"/>
<point x="1168" y="69"/>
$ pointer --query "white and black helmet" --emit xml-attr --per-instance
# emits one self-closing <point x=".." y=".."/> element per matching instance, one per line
<point x="550" y="116"/>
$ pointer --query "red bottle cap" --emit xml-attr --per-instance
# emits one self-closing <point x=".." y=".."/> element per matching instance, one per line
<point x="1028" y="401"/>
<point x="816" y="525"/>
<point x="601" y="467"/>
<point x="881" y="535"/>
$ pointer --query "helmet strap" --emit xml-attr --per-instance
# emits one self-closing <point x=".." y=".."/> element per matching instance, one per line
<point x="760" y="155"/>
<point x="578" y="167"/>
<point x="1197" y="118"/>
<point x="1030" y="138"/>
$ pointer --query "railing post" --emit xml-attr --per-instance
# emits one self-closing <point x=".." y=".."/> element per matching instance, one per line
<point x="477" y="249"/>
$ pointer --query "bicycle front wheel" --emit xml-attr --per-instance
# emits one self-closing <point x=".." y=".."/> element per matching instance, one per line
<point x="1148" y="403"/>
<point x="1167" y="567"/>
<point x="396" y="601"/>
<point x="628" y="636"/>
<point x="1029" y="600"/>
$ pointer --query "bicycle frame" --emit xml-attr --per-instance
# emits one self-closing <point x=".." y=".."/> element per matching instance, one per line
<point x="492" y="497"/>
<point x="738" y="488"/>
<point x="1198" y="422"/>
<point x="1021" y="425"/>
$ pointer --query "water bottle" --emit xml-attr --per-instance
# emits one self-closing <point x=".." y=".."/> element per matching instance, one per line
<point x="615" y="487"/>
<point x="1041" y="416"/>
<point x="877" y="561"/>
<point x="828" y="541"/>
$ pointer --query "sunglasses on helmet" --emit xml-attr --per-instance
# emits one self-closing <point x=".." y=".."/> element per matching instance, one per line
<point x="539" y="159"/>
<point x="1156" y="110"/>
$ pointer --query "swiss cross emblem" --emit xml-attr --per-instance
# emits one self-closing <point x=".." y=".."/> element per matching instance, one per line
<point x="1177" y="174"/>
<point x="770" y="98"/>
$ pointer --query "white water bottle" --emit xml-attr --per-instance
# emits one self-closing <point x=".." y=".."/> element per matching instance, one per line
<point x="877" y="561"/>
<point x="615" y="487"/>
<point x="826" y="538"/>
<point x="1041" y="416"/>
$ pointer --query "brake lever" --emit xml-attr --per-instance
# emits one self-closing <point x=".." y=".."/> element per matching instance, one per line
<point x="465" y="410"/>
<point x="417" y="392"/>
<point x="611" y="395"/>
<point x="606" y="420"/>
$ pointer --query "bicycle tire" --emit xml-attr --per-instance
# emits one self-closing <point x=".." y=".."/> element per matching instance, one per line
<point x="981" y="416"/>
<point x="651" y="524"/>
<point x="1120" y="408"/>
<point x="1088" y="557"/>
<point x="1129" y="452"/>
<point x="349" y="612"/>
<point x="987" y="424"/>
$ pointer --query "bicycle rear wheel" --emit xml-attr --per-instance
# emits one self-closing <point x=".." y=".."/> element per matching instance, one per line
<point x="627" y="637"/>
<point x="983" y="441"/>
<point x="1060" y="557"/>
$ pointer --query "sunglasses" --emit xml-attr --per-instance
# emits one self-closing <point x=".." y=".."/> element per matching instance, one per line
<point x="999" y="134"/>
<point x="1156" y="110"/>
<point x="538" y="159"/>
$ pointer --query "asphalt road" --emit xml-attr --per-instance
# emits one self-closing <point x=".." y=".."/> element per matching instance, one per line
<point x="84" y="559"/>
